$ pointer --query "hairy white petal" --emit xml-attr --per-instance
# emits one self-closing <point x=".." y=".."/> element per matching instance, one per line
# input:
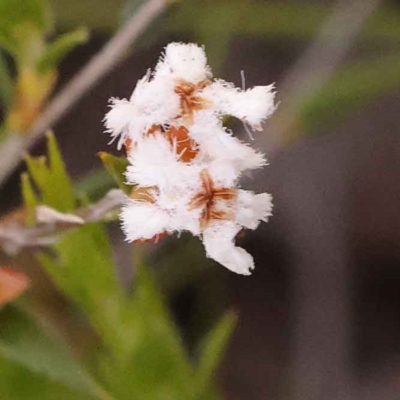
<point x="183" y="61"/>
<point x="156" y="100"/>
<point x="154" y="103"/>
<point x="251" y="106"/>
<point x="118" y="119"/>
<point x="142" y="220"/>
<point x="215" y="142"/>
<point x="218" y="240"/>
<point x="155" y="163"/>
<point x="252" y="208"/>
<point x="223" y="173"/>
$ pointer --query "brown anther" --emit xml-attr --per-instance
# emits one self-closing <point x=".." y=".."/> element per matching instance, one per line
<point x="208" y="198"/>
<point x="144" y="194"/>
<point x="154" y="239"/>
<point x="190" y="99"/>
<point x="128" y="145"/>
<point x="153" y="129"/>
<point x="185" y="147"/>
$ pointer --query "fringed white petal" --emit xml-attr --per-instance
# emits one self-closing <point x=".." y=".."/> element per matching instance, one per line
<point x="218" y="241"/>
<point x="155" y="163"/>
<point x="215" y="142"/>
<point x="154" y="103"/>
<point x="183" y="61"/>
<point x="142" y="220"/>
<point x="117" y="120"/>
<point x="252" y="208"/>
<point x="252" y="106"/>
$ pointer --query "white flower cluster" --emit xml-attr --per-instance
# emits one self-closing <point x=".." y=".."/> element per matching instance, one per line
<point x="184" y="165"/>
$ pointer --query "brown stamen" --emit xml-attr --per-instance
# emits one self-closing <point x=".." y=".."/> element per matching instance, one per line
<point x="208" y="198"/>
<point x="185" y="147"/>
<point x="144" y="194"/>
<point x="154" y="239"/>
<point x="190" y="100"/>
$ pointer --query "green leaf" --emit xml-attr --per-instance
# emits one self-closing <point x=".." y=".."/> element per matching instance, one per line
<point x="83" y="268"/>
<point x="53" y="182"/>
<point x="30" y="199"/>
<point x="59" y="177"/>
<point x="32" y="15"/>
<point x="116" y="166"/>
<point x="38" y="170"/>
<point x="155" y="365"/>
<point x="211" y="352"/>
<point x="22" y="343"/>
<point x="18" y="382"/>
<point x="57" y="50"/>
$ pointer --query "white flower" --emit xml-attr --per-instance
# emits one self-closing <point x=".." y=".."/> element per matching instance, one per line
<point x="184" y="164"/>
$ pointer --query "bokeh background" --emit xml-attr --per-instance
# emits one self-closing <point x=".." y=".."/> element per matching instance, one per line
<point x="320" y="316"/>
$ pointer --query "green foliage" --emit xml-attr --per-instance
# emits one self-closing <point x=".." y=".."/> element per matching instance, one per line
<point x="349" y="89"/>
<point x="53" y="183"/>
<point x="30" y="199"/>
<point x="83" y="268"/>
<point x="154" y="366"/>
<point x="29" y="15"/>
<point x="24" y="25"/>
<point x="35" y="366"/>
<point x="270" y="19"/>
<point x="19" y="382"/>
<point x="212" y="350"/>
<point x="116" y="166"/>
<point x="57" y="50"/>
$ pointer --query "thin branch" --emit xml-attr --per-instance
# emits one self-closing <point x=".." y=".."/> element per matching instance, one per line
<point x="316" y="66"/>
<point x="14" y="147"/>
<point x="14" y="235"/>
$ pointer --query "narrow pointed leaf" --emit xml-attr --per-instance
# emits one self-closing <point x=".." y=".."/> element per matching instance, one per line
<point x="154" y="365"/>
<point x="61" y="186"/>
<point x="116" y="166"/>
<point x="211" y="352"/>
<point x="52" y="180"/>
<point x="21" y="342"/>
<point x="57" y="50"/>
<point x="83" y="268"/>
<point x="38" y="170"/>
<point x="30" y="199"/>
